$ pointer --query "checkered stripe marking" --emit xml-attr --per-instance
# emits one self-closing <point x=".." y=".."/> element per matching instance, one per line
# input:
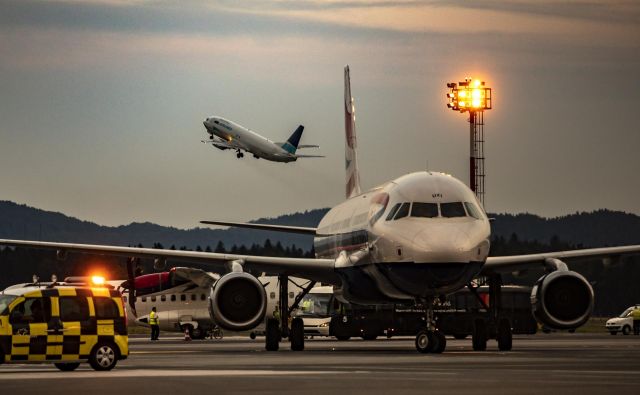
<point x="46" y="342"/>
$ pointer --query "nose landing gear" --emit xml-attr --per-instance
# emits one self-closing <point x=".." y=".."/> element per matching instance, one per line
<point x="430" y="339"/>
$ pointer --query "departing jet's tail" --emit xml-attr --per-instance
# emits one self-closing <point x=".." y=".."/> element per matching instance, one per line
<point x="351" y="159"/>
<point x="292" y="143"/>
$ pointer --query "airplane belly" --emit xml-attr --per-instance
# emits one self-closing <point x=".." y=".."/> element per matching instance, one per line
<point x="389" y="282"/>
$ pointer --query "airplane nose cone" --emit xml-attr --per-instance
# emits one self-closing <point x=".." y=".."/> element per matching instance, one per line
<point x="449" y="245"/>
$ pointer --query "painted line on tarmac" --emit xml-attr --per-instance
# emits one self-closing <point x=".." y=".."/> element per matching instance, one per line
<point x="128" y="373"/>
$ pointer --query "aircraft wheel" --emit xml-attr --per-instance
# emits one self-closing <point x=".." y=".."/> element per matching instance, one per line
<point x="343" y="338"/>
<point x="479" y="336"/>
<point x="272" y="335"/>
<point x="197" y="333"/>
<point x="440" y="342"/>
<point x="296" y="336"/>
<point x="424" y="342"/>
<point x="67" y="367"/>
<point x="505" y="338"/>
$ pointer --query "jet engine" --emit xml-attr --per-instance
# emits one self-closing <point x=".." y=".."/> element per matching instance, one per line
<point x="238" y="301"/>
<point x="562" y="300"/>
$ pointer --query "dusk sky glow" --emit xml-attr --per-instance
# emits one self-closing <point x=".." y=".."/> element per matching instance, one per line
<point x="102" y="102"/>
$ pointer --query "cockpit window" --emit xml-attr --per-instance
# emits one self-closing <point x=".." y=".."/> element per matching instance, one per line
<point x="393" y="210"/>
<point x="425" y="210"/>
<point x="472" y="210"/>
<point x="403" y="211"/>
<point x="216" y="122"/>
<point x="451" y="210"/>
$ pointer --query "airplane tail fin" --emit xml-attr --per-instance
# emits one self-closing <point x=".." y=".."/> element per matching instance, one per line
<point x="292" y="143"/>
<point x="351" y="158"/>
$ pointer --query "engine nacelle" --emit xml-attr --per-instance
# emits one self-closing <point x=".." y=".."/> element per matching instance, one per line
<point x="238" y="302"/>
<point x="562" y="300"/>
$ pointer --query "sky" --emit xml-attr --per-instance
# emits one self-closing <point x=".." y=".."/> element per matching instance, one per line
<point x="102" y="102"/>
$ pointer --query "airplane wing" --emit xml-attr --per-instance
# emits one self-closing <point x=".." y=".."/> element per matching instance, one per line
<point x="321" y="270"/>
<point x="221" y="144"/>
<point x="308" y="146"/>
<point x="520" y="262"/>
<point x="275" y="228"/>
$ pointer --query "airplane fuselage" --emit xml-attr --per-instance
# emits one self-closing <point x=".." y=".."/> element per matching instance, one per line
<point x="232" y="133"/>
<point x="421" y="235"/>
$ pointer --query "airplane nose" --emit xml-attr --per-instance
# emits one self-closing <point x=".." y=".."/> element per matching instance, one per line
<point x="450" y="244"/>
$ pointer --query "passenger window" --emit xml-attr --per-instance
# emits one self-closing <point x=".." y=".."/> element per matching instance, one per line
<point x="153" y="298"/>
<point x="106" y="308"/>
<point x="291" y="295"/>
<point x="183" y="297"/>
<point x="272" y="295"/>
<point x="124" y="298"/>
<point x="472" y="210"/>
<point x="32" y="310"/>
<point x="403" y="211"/>
<point x="74" y="309"/>
<point x="144" y="298"/>
<point x="451" y="210"/>
<point x="173" y="298"/>
<point x="203" y="297"/>
<point x="393" y="210"/>
<point x="193" y="297"/>
<point x="425" y="210"/>
<point x="163" y="298"/>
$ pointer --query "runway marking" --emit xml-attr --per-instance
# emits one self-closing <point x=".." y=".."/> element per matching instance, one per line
<point x="128" y="373"/>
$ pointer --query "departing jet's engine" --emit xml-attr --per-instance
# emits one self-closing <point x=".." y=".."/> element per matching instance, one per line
<point x="238" y="302"/>
<point x="562" y="300"/>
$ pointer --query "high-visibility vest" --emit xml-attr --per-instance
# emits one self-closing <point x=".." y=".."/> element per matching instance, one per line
<point x="153" y="318"/>
<point x="635" y="313"/>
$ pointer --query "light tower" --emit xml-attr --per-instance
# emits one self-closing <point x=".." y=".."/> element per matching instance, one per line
<point x="474" y="97"/>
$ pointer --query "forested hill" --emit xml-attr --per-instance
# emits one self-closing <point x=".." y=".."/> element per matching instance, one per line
<point x="24" y="222"/>
<point x="593" y="229"/>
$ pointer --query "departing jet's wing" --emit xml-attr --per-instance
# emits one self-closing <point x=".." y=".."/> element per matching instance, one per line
<point x="275" y="228"/>
<point x="308" y="146"/>
<point x="221" y="144"/>
<point x="309" y="156"/>
<point x="321" y="270"/>
<point x="521" y="262"/>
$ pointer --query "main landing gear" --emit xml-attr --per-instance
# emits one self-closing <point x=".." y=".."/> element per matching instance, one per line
<point x="495" y="325"/>
<point x="239" y="154"/>
<point x="430" y="340"/>
<point x="276" y="330"/>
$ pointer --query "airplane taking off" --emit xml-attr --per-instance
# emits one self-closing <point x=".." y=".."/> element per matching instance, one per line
<point x="225" y="134"/>
<point x="410" y="240"/>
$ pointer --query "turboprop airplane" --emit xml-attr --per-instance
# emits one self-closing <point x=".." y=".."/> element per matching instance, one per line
<point x="181" y="296"/>
<point x="225" y="134"/>
<point x="410" y="240"/>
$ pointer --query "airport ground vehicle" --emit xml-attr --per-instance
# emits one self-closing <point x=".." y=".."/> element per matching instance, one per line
<point x="622" y="323"/>
<point x="63" y="323"/>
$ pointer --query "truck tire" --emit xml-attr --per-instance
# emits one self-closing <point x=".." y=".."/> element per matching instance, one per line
<point x="626" y="330"/>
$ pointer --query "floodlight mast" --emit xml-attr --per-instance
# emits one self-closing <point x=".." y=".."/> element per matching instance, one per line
<point x="472" y="96"/>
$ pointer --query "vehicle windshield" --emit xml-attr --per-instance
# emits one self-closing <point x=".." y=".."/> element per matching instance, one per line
<point x="5" y="300"/>
<point x="625" y="313"/>
<point x="314" y="305"/>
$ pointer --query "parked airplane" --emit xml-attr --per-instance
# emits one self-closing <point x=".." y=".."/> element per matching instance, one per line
<point x="225" y="134"/>
<point x="410" y="240"/>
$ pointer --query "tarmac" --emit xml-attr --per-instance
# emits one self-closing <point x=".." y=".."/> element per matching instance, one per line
<point x="556" y="363"/>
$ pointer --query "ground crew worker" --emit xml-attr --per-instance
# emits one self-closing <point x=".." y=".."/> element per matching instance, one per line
<point x="155" y="324"/>
<point x="276" y="314"/>
<point x="635" y="313"/>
